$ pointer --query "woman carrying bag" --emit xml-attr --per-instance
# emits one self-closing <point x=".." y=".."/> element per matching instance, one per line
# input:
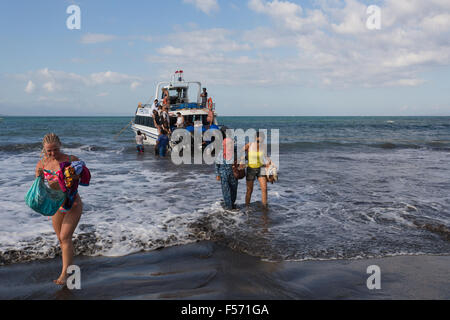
<point x="59" y="171"/>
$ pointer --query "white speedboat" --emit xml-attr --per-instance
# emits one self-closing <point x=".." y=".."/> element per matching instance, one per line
<point x="184" y="97"/>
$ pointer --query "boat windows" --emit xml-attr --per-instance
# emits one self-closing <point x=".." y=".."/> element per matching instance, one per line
<point x="144" y="121"/>
<point x="137" y="120"/>
<point x="197" y="117"/>
<point x="151" y="122"/>
<point x="173" y="100"/>
<point x="177" y="95"/>
<point x="205" y="120"/>
<point x="173" y="121"/>
<point x="202" y="118"/>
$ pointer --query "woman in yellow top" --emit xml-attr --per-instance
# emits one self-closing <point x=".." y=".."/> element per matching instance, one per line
<point x="256" y="167"/>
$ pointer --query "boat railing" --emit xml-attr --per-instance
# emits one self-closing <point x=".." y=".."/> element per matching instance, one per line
<point x="185" y="106"/>
<point x="193" y="105"/>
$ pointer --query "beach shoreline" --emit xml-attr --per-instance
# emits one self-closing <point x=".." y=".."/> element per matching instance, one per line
<point x="210" y="271"/>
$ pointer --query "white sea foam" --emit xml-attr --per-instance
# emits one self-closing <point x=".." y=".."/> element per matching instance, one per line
<point x="128" y="207"/>
<point x="335" y="204"/>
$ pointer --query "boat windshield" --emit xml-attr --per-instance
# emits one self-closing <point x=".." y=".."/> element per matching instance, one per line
<point x="178" y="95"/>
<point x="191" y="118"/>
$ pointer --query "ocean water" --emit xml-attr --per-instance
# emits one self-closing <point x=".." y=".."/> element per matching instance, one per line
<point x="349" y="187"/>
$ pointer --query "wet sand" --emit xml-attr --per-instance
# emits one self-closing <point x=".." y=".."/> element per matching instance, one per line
<point x="209" y="271"/>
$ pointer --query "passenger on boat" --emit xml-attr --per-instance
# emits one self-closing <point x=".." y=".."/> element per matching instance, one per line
<point x="155" y="106"/>
<point x="157" y="120"/>
<point x="140" y="141"/>
<point x="180" y="120"/>
<point x="204" y="96"/>
<point x="210" y="117"/>
<point x="161" y="144"/>
<point x="165" y="119"/>
<point x="189" y="126"/>
<point x="166" y="98"/>
<point x="160" y="113"/>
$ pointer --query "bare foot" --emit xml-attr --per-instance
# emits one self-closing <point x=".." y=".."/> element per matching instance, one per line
<point x="61" y="280"/>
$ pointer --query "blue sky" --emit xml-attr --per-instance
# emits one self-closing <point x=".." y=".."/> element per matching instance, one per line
<point x="256" y="57"/>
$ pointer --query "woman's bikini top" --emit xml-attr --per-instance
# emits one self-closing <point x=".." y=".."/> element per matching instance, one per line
<point x="51" y="176"/>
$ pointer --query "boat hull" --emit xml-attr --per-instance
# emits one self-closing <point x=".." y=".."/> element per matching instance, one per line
<point x="150" y="133"/>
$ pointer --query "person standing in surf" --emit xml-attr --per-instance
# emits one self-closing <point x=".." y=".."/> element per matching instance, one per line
<point x="224" y="171"/>
<point x="64" y="221"/>
<point x="161" y="144"/>
<point x="256" y="169"/>
<point x="140" y="141"/>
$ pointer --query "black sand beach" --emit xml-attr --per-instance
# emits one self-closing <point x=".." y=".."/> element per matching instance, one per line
<point x="209" y="271"/>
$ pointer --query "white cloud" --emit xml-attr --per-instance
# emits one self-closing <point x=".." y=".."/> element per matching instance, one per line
<point x="46" y="81"/>
<point x="288" y="14"/>
<point x="202" y="44"/>
<point x="407" y="59"/>
<point x="108" y="77"/>
<point x="49" y="86"/>
<point x="335" y="47"/>
<point x="266" y="38"/>
<point x="276" y="8"/>
<point x="51" y="99"/>
<point x="212" y="54"/>
<point x="285" y="11"/>
<point x="353" y="19"/>
<point x="134" y="85"/>
<point x="411" y="12"/>
<point x="206" y="6"/>
<point x="91" y="38"/>
<point x="404" y="83"/>
<point x="30" y="87"/>
<point x="171" y="51"/>
<point x="437" y="23"/>
<point x="44" y="72"/>
<point x="328" y="45"/>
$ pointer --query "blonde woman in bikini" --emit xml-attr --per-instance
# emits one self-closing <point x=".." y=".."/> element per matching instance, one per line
<point x="64" y="222"/>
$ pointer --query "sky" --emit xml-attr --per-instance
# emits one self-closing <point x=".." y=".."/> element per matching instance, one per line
<point x="256" y="57"/>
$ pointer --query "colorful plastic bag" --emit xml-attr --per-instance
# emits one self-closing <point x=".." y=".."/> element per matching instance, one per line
<point x="44" y="200"/>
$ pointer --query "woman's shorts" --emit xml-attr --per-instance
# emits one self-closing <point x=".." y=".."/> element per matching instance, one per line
<point x="253" y="173"/>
